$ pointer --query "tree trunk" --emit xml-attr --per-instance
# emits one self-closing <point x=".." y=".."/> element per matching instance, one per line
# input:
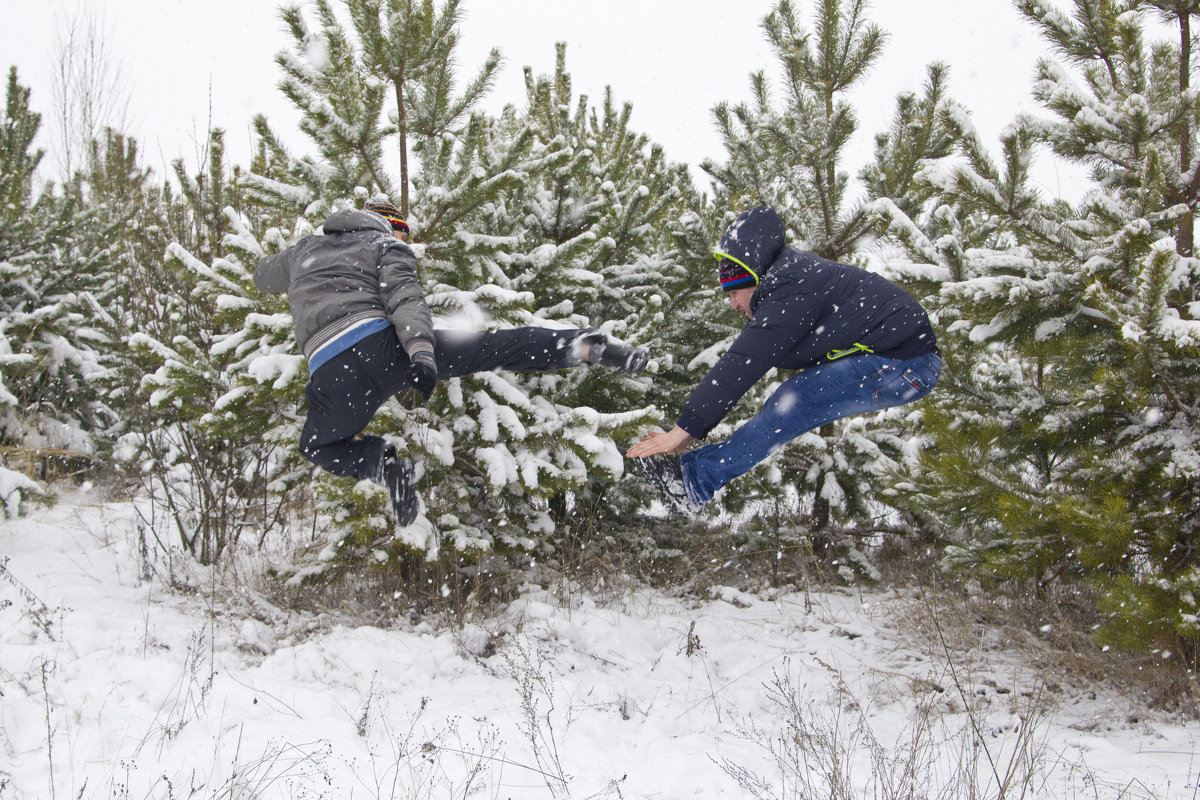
<point x="1187" y="226"/>
<point x="402" y="116"/>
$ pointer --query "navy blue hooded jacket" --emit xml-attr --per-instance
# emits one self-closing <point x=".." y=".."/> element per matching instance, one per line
<point x="804" y="308"/>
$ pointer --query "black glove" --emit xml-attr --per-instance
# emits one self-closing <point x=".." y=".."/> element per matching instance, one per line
<point x="423" y="374"/>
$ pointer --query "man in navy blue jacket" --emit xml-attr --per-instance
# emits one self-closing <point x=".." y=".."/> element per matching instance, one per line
<point x="860" y="343"/>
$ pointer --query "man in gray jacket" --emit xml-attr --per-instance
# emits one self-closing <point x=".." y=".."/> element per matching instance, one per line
<point x="362" y="322"/>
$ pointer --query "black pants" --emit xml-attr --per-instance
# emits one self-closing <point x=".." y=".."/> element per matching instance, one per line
<point x="346" y="391"/>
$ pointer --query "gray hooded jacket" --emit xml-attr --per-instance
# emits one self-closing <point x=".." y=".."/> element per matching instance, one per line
<point x="357" y="271"/>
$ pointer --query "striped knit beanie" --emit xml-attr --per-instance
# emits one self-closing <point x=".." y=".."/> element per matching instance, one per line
<point x="734" y="274"/>
<point x="389" y="212"/>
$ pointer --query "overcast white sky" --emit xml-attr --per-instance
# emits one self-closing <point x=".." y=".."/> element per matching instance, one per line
<point x="673" y="59"/>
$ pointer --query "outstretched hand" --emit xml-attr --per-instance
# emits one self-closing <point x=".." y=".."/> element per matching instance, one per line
<point x="674" y="441"/>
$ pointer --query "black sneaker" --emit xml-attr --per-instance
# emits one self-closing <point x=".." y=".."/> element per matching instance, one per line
<point x="630" y="360"/>
<point x="602" y="350"/>
<point x="665" y="474"/>
<point x="396" y="474"/>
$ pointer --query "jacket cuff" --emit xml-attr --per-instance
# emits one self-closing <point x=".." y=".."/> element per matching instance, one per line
<point x="418" y="346"/>
<point x="695" y="427"/>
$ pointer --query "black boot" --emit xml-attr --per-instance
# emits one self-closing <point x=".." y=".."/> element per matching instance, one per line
<point x="602" y="350"/>
<point x="665" y="474"/>
<point x="396" y="474"/>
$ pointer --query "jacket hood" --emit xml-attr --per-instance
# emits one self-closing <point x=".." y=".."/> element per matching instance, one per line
<point x="352" y="219"/>
<point x="754" y="240"/>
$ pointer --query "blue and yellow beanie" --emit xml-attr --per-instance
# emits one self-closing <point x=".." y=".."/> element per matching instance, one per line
<point x="733" y="273"/>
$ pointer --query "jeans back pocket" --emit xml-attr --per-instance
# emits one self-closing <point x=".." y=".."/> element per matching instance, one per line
<point x="906" y="387"/>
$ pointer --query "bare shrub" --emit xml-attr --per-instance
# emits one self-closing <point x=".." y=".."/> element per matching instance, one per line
<point x="1050" y="627"/>
<point x="827" y="748"/>
<point x="89" y="89"/>
<point x="535" y="686"/>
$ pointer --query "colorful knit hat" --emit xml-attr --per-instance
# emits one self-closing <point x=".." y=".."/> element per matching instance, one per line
<point x="734" y="274"/>
<point x="389" y="212"/>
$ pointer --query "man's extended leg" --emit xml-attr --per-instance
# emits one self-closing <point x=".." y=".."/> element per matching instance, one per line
<point x="530" y="349"/>
<point x="806" y="401"/>
<point x="345" y="393"/>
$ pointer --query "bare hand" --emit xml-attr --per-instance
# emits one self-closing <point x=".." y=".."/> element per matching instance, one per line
<point x="674" y="441"/>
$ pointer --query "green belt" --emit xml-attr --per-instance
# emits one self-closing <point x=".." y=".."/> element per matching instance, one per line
<point x="833" y="355"/>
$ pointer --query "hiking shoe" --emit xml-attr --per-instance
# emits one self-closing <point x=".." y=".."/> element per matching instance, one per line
<point x="602" y="350"/>
<point x="665" y="474"/>
<point x="630" y="360"/>
<point x="396" y="474"/>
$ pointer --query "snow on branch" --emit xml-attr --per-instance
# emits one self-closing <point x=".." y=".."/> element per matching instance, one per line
<point x="297" y="195"/>
<point x="498" y="464"/>
<point x="281" y="368"/>
<point x="155" y="346"/>
<point x="14" y="486"/>
<point x="241" y="237"/>
<point x="503" y="389"/>
<point x="492" y="415"/>
<point x="190" y="262"/>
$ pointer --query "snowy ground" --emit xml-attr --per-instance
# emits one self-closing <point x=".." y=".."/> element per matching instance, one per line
<point x="114" y="686"/>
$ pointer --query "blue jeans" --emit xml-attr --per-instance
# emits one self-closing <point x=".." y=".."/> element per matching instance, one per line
<point x="808" y="400"/>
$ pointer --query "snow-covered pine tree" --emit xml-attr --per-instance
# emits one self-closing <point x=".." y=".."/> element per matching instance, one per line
<point x="931" y="242"/>
<point x="612" y="203"/>
<point x="24" y="252"/>
<point x="217" y="373"/>
<point x="957" y="232"/>
<point x="919" y="134"/>
<point x="789" y="154"/>
<point x="693" y="312"/>
<point x="1073" y="444"/>
<point x="494" y="447"/>
<point x="123" y="224"/>
<point x="341" y="106"/>
<point x="597" y="238"/>
<point x="51" y="353"/>
<point x="1133" y="122"/>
